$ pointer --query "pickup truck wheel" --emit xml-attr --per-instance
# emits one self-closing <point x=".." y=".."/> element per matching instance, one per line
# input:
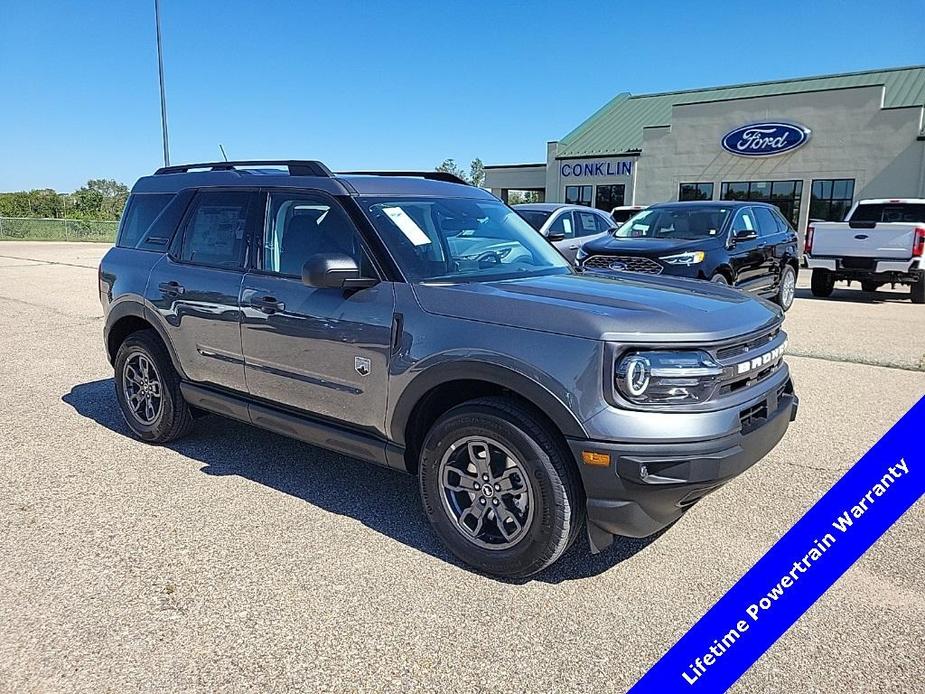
<point x="148" y="390"/>
<point x="787" y="288"/>
<point x="918" y="288"/>
<point x="870" y="287"/>
<point x="498" y="489"/>
<point x="822" y="283"/>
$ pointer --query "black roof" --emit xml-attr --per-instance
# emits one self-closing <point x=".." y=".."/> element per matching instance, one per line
<point x="306" y="174"/>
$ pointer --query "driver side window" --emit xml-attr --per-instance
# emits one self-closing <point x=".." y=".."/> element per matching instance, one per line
<point x="563" y="225"/>
<point x="744" y="219"/>
<point x="302" y="225"/>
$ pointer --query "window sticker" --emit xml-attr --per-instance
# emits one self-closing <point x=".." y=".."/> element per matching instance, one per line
<point x="407" y="225"/>
<point x="748" y="222"/>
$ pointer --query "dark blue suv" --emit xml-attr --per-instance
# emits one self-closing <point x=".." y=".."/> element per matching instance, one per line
<point x="748" y="245"/>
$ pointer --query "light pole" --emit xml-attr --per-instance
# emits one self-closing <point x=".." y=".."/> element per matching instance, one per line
<point x="160" y="73"/>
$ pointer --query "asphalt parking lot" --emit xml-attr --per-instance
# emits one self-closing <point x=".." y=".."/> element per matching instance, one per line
<point x="237" y="559"/>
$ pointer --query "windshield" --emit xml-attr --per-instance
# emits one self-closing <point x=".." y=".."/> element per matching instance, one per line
<point x="461" y="240"/>
<point x="535" y="218"/>
<point x="692" y="223"/>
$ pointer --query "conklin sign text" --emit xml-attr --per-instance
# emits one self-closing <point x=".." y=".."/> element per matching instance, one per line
<point x="597" y="168"/>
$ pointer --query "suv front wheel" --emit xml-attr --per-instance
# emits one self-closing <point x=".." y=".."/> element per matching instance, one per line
<point x="499" y="489"/>
<point x="148" y="389"/>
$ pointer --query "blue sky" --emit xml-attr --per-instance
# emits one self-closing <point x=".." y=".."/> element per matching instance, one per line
<point x="371" y="85"/>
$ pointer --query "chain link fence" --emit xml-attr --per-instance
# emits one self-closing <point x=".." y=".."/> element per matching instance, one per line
<point x="32" y="229"/>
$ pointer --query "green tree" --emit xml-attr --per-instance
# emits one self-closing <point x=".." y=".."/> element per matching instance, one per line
<point x="476" y="175"/>
<point x="101" y="198"/>
<point x="477" y="172"/>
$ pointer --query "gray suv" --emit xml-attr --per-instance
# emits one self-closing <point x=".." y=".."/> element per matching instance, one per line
<point x="419" y="323"/>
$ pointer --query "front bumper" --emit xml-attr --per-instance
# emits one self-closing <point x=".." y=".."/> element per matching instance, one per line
<point x="647" y="486"/>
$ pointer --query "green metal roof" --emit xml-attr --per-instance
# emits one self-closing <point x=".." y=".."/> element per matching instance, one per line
<point x="617" y="127"/>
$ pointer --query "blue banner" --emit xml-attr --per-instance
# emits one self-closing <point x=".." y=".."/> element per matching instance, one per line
<point x="799" y="568"/>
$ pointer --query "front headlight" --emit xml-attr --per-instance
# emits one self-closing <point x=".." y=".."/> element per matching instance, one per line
<point x="689" y="258"/>
<point x="659" y="377"/>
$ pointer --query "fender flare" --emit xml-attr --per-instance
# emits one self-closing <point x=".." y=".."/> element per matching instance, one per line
<point x="136" y="309"/>
<point x="469" y="370"/>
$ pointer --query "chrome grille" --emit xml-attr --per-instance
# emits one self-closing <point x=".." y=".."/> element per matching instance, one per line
<point x="630" y="264"/>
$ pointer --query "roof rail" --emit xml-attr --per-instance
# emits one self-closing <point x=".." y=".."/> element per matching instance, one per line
<point x="296" y="167"/>
<point x="444" y="176"/>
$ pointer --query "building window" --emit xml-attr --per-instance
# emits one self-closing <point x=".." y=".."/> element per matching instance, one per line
<point x="608" y="197"/>
<point x="787" y="195"/>
<point x="831" y="199"/>
<point x="578" y="195"/>
<point x="695" y="191"/>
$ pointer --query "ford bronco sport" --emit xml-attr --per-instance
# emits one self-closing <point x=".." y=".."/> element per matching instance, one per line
<point x="419" y="323"/>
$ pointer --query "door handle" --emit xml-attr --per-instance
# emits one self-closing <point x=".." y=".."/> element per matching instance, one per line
<point x="268" y="304"/>
<point x="573" y="248"/>
<point x="171" y="288"/>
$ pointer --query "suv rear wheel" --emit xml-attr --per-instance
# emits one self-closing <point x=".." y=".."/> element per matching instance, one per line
<point x="499" y="489"/>
<point x="148" y="389"/>
<point x="822" y="283"/>
<point x="787" y="288"/>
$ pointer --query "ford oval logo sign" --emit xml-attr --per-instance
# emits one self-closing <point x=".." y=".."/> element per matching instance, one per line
<point x="765" y="139"/>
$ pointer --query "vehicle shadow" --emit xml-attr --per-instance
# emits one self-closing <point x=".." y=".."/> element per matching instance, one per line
<point x="383" y="500"/>
<point x="855" y="296"/>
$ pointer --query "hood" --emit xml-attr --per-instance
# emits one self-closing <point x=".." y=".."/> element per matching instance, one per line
<point x="612" y="245"/>
<point x="624" y="307"/>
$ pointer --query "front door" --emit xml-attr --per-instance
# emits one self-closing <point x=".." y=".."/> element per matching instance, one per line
<point x="195" y="289"/>
<point x="746" y="257"/>
<point x="322" y="351"/>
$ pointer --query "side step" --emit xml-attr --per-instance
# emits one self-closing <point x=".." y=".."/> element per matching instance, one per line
<point x="303" y="428"/>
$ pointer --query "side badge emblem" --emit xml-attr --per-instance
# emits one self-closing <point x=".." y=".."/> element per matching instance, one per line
<point x="361" y="364"/>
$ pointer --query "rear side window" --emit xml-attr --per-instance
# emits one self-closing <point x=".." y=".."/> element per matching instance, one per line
<point x="215" y="231"/>
<point x="890" y="212"/>
<point x="767" y="224"/>
<point x="142" y="209"/>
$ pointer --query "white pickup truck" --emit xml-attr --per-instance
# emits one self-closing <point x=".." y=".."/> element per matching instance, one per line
<point x="881" y="242"/>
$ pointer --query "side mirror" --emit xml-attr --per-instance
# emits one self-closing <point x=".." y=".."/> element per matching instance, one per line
<point x="554" y="236"/>
<point x="334" y="271"/>
<point x="744" y="235"/>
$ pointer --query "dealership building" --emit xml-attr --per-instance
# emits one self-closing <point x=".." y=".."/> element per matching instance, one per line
<point x="812" y="146"/>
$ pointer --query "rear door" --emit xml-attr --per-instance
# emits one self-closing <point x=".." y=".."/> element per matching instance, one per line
<point x="322" y="351"/>
<point x="195" y="288"/>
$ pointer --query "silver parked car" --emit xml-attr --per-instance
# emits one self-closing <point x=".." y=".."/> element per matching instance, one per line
<point x="566" y="227"/>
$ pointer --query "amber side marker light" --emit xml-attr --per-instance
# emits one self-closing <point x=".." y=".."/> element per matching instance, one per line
<point x="592" y="458"/>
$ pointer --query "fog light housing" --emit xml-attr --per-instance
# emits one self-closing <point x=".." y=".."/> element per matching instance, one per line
<point x="664" y="377"/>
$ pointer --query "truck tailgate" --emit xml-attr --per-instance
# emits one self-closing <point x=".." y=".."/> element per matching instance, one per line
<point x="880" y="240"/>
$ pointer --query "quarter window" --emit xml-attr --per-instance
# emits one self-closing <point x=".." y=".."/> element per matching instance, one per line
<point x="142" y="210"/>
<point x="831" y="199"/>
<point x="786" y="195"/>
<point x="578" y="195"/>
<point x="302" y="225"/>
<point x="215" y="232"/>
<point x="608" y="197"/>
<point x="695" y="191"/>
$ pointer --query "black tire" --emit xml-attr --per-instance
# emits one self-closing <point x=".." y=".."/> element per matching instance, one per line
<point x="556" y="494"/>
<point x="173" y="418"/>
<point x="786" y="288"/>
<point x="719" y="278"/>
<point x="870" y="287"/>
<point x="822" y="283"/>
<point x="918" y="289"/>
